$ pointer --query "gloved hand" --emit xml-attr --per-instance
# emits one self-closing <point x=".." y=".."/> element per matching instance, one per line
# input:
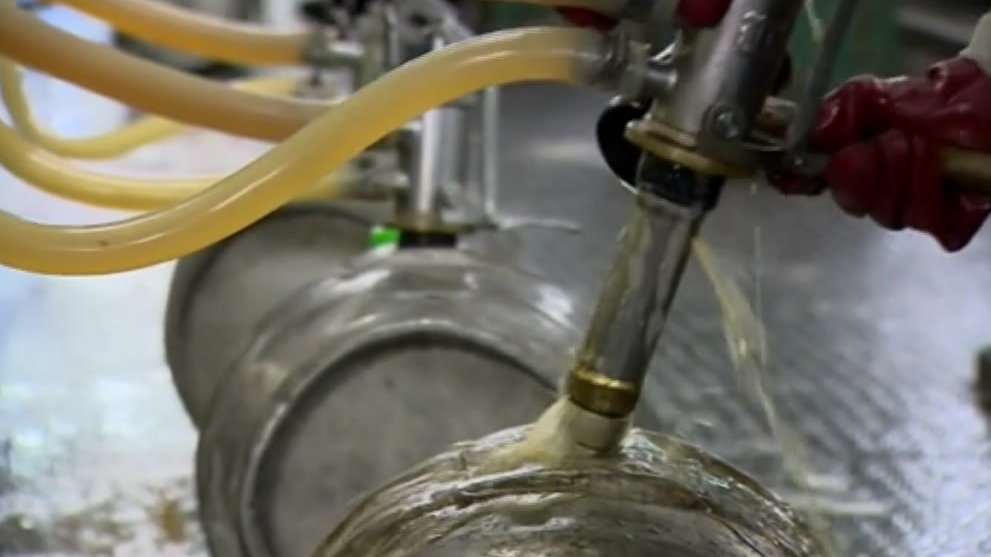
<point x="696" y="13"/>
<point x="884" y="138"/>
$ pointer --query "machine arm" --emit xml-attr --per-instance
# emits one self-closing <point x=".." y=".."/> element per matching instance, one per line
<point x="695" y="102"/>
<point x="671" y="203"/>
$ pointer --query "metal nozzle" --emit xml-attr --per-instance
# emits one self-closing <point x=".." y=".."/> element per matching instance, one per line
<point x="639" y="290"/>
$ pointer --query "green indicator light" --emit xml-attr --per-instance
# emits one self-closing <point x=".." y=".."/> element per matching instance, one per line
<point x="383" y="236"/>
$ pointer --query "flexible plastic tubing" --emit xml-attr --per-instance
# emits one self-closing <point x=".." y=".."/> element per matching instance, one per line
<point x="564" y="55"/>
<point x="147" y="130"/>
<point x="185" y="31"/>
<point x="53" y="175"/>
<point x="34" y="165"/>
<point x="147" y="86"/>
<point x="601" y="6"/>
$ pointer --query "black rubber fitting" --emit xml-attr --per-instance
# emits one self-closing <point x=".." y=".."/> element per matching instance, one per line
<point x="416" y="239"/>
<point x="679" y="185"/>
<point x="620" y="155"/>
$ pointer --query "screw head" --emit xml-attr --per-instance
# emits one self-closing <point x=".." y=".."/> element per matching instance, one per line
<point x="727" y="124"/>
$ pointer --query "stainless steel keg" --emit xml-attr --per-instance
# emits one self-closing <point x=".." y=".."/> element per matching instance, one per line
<point x="655" y="497"/>
<point x="355" y="378"/>
<point x="219" y="295"/>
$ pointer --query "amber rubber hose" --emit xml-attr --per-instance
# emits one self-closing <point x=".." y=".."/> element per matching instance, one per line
<point x="119" y="142"/>
<point x="186" y="31"/>
<point x="147" y="86"/>
<point x="570" y="56"/>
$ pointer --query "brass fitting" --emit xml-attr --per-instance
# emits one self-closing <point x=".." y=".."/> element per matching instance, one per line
<point x="600" y="394"/>
<point x="655" y="137"/>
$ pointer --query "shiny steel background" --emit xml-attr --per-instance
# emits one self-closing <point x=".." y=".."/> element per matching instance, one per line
<point x="872" y="337"/>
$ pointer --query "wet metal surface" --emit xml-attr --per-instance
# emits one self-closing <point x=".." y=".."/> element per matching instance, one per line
<point x="502" y="495"/>
<point x="873" y="336"/>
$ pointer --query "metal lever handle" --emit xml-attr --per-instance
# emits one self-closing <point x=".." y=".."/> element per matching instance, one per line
<point x="822" y="72"/>
<point x="970" y="169"/>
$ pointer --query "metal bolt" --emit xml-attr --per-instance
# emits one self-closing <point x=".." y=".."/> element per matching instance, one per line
<point x="659" y="79"/>
<point x="726" y="124"/>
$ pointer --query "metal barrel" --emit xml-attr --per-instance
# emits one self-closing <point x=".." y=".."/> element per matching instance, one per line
<point x="349" y="380"/>
<point x="655" y="497"/>
<point x="219" y="295"/>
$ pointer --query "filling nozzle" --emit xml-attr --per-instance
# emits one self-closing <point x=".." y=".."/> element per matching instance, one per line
<point x="699" y="99"/>
<point x="707" y="87"/>
<point x="611" y="365"/>
<point x="692" y="107"/>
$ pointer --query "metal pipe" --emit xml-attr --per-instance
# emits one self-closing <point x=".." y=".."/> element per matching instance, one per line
<point x="821" y="75"/>
<point x="490" y="153"/>
<point x="640" y="288"/>
<point x="427" y="167"/>
<point x="392" y="45"/>
<point x="437" y="160"/>
<point x="327" y="52"/>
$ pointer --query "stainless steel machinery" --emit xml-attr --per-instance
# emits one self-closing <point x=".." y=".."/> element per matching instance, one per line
<point x="577" y="482"/>
<point x="697" y="111"/>
<point x="316" y="365"/>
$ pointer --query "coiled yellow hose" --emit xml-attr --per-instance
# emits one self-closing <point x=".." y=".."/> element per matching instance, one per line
<point x="199" y="34"/>
<point x="57" y="177"/>
<point x="147" y="86"/>
<point x="147" y="130"/>
<point x="565" y="55"/>
<point x="36" y="164"/>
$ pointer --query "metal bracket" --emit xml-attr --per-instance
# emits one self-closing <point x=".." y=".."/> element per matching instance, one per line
<point x="795" y="157"/>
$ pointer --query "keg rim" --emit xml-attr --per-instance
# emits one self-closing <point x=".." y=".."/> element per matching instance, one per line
<point x="753" y="514"/>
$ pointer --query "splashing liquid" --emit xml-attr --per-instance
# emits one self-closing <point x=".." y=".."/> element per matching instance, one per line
<point x="747" y="343"/>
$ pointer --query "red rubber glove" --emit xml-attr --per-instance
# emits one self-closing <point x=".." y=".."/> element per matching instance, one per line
<point x="695" y="13"/>
<point x="885" y="138"/>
